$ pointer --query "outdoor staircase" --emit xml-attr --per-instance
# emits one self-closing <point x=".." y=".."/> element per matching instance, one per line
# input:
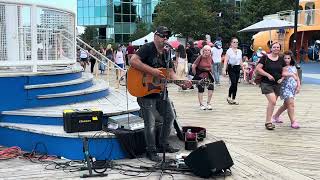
<point x="31" y="112"/>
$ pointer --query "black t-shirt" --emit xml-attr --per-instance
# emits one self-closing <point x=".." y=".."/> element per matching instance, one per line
<point x="274" y="68"/>
<point x="192" y="54"/>
<point x="149" y="55"/>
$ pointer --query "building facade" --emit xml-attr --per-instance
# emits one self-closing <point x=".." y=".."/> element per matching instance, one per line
<point x="116" y="19"/>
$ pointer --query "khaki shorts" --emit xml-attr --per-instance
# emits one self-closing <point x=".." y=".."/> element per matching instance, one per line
<point x="267" y="88"/>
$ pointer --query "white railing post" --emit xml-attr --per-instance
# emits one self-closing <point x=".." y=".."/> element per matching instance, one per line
<point x="34" y="33"/>
<point x="12" y="37"/>
<point x="108" y="73"/>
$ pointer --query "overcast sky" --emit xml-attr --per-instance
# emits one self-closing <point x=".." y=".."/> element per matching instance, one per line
<point x="65" y="4"/>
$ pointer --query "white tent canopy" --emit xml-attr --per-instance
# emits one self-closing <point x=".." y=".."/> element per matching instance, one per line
<point x="149" y="37"/>
<point x="267" y="25"/>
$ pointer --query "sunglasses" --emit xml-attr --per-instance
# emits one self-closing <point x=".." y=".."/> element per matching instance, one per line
<point x="163" y="35"/>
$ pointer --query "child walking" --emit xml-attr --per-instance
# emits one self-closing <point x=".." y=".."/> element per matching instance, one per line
<point x="290" y="86"/>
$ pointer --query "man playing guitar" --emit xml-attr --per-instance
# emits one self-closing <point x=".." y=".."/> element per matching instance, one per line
<point x="148" y="59"/>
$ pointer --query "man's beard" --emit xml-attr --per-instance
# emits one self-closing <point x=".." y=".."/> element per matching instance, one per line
<point x="161" y="44"/>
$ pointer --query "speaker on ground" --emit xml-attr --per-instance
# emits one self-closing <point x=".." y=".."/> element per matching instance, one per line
<point x="209" y="159"/>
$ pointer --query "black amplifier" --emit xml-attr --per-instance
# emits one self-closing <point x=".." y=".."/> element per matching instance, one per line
<point x="82" y="120"/>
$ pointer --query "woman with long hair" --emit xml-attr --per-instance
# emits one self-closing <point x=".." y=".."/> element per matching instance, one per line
<point x="290" y="86"/>
<point x="182" y="63"/>
<point x="232" y="64"/>
<point x="119" y="59"/>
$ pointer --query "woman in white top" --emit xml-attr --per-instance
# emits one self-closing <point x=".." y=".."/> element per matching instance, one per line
<point x="233" y="63"/>
<point x="216" y="51"/>
<point x="182" y="63"/>
<point x="119" y="60"/>
<point x="84" y="58"/>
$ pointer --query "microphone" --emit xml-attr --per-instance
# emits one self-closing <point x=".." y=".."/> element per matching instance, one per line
<point x="168" y="45"/>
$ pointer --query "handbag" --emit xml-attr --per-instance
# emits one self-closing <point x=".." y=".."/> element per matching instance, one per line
<point x="257" y="76"/>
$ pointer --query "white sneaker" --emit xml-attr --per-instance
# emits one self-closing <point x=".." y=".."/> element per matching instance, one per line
<point x="202" y="107"/>
<point x="209" y="107"/>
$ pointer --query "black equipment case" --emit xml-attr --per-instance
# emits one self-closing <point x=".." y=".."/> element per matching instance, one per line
<point x="82" y="120"/>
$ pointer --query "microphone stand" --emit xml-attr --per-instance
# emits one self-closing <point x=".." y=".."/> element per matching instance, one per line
<point x="165" y="99"/>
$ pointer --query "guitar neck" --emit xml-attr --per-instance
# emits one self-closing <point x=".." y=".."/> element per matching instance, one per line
<point x="181" y="81"/>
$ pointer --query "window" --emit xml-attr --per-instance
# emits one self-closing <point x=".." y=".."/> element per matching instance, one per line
<point x="103" y="2"/>
<point x="86" y="12"/>
<point x="91" y="21"/>
<point x="103" y="11"/>
<point x="117" y="8"/>
<point x="85" y="20"/>
<point x="104" y="21"/>
<point x="80" y="3"/>
<point x="85" y="3"/>
<point x="98" y="2"/>
<point x="97" y="12"/>
<point x="80" y="12"/>
<point x="91" y="11"/>
<point x="97" y="21"/>
<point x="117" y="18"/>
<point x="238" y="4"/>
<point x="118" y="37"/>
<point x="126" y="18"/>
<point x="80" y="21"/>
<point x="91" y="2"/>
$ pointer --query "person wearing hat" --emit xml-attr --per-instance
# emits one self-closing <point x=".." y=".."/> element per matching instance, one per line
<point x="148" y="59"/>
<point x="216" y="51"/>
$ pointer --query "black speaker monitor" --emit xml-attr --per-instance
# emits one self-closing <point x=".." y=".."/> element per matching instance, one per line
<point x="209" y="159"/>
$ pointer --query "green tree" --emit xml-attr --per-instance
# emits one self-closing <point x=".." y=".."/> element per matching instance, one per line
<point x="189" y="18"/>
<point x="142" y="30"/>
<point x="90" y="34"/>
<point x="225" y="17"/>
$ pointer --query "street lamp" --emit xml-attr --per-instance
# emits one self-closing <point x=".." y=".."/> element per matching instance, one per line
<point x="296" y="8"/>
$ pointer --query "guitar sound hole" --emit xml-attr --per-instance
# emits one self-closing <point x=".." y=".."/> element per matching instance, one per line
<point x="155" y="81"/>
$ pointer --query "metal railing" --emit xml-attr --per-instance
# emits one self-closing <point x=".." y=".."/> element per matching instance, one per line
<point x="36" y="35"/>
<point x="310" y="17"/>
<point x="111" y="68"/>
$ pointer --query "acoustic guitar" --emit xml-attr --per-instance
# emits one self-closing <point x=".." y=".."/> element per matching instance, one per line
<point x="141" y="84"/>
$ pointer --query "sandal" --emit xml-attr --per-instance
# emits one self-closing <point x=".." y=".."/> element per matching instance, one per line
<point x="295" y="125"/>
<point x="269" y="126"/>
<point x="276" y="119"/>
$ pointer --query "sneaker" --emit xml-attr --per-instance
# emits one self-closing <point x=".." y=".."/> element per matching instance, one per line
<point x="169" y="149"/>
<point x="276" y="119"/>
<point x="209" y="107"/>
<point x="153" y="156"/>
<point x="234" y="102"/>
<point x="229" y="100"/>
<point x="202" y="107"/>
<point x="295" y="125"/>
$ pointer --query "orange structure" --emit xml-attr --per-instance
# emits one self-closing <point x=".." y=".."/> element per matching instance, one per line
<point x="308" y="28"/>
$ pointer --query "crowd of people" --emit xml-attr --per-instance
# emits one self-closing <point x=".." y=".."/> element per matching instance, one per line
<point x="119" y="56"/>
<point x="205" y="62"/>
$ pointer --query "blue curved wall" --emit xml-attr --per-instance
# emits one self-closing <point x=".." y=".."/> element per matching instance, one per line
<point x="70" y="148"/>
<point x="14" y="96"/>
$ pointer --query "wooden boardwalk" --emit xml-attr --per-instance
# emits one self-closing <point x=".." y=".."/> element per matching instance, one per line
<point x="284" y="153"/>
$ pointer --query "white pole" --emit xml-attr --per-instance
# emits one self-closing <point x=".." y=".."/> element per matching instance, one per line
<point x="34" y="34"/>
<point x="11" y="22"/>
